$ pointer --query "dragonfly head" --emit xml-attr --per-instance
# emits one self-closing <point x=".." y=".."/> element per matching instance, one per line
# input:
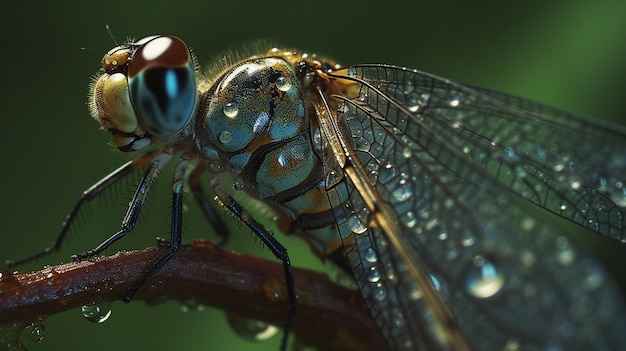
<point x="147" y="91"/>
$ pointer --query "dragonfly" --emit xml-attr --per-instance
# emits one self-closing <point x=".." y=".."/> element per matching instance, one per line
<point x="431" y="193"/>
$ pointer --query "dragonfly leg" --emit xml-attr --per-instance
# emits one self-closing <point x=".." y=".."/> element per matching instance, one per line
<point x="134" y="208"/>
<point x="87" y="196"/>
<point x="279" y="251"/>
<point x="209" y="211"/>
<point x="176" y="227"/>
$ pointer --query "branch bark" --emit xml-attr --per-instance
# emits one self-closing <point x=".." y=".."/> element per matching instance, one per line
<point x="329" y="316"/>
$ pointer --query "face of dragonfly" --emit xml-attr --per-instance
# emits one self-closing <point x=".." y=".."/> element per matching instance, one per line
<point x="429" y="189"/>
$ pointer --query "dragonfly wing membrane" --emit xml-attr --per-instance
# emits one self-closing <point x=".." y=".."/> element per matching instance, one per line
<point x="509" y="280"/>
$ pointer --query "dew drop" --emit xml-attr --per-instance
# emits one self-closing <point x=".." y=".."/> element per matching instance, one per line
<point x="387" y="173"/>
<point x="409" y="219"/>
<point x="483" y="279"/>
<point x="415" y="293"/>
<point x="380" y="293"/>
<point x="191" y="306"/>
<point x="403" y="192"/>
<point x="370" y="255"/>
<point x="352" y="72"/>
<point x="373" y="275"/>
<point x="454" y="102"/>
<point x="283" y="84"/>
<point x="97" y="312"/>
<point x="355" y="224"/>
<point x="226" y="137"/>
<point x="35" y="331"/>
<point x="406" y="152"/>
<point x="412" y="102"/>
<point x="424" y="99"/>
<point x="231" y="109"/>
<point x="251" y="329"/>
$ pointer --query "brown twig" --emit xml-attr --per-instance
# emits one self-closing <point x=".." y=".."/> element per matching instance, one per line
<point x="329" y="317"/>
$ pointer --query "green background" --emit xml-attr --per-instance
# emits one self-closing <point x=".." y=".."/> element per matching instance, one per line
<point x="564" y="53"/>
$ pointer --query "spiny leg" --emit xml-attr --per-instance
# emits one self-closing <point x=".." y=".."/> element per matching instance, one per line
<point x="134" y="207"/>
<point x="213" y="217"/>
<point x="176" y="227"/>
<point x="279" y="251"/>
<point x="87" y="196"/>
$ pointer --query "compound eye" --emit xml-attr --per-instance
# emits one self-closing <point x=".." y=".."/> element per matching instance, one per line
<point x="161" y="78"/>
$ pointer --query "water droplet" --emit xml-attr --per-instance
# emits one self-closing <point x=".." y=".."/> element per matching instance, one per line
<point x="412" y="102"/>
<point x="283" y="84"/>
<point x="406" y="152"/>
<point x="415" y="293"/>
<point x="231" y="109"/>
<point x="373" y="275"/>
<point x="97" y="312"/>
<point x="409" y="219"/>
<point x="468" y="240"/>
<point x="226" y="137"/>
<point x="351" y="72"/>
<point x="424" y="99"/>
<point x="390" y="273"/>
<point x="380" y="293"/>
<point x="251" y="329"/>
<point x="370" y="255"/>
<point x="261" y="122"/>
<point x="403" y="192"/>
<point x="454" y="102"/>
<point x="355" y="224"/>
<point x="387" y="173"/>
<point x="483" y="279"/>
<point x="191" y="306"/>
<point x="35" y="331"/>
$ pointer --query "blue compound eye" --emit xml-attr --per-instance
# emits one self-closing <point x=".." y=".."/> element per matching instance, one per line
<point x="162" y="84"/>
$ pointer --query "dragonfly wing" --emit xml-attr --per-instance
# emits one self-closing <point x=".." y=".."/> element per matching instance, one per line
<point x="571" y="166"/>
<point x="511" y="281"/>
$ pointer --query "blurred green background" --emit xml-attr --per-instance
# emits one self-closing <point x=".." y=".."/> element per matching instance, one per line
<point x="564" y="53"/>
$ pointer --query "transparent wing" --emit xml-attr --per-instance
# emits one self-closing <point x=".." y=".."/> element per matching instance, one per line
<point x="452" y="166"/>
